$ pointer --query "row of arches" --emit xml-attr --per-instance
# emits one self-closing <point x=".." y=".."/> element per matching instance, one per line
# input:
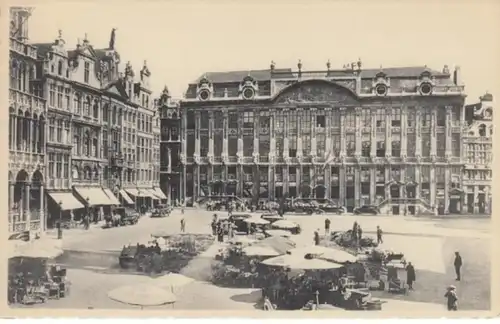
<point x="25" y="195"/>
<point x="21" y="73"/>
<point x="26" y="131"/>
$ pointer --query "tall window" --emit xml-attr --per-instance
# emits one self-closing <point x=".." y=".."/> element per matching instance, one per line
<point x="219" y="120"/>
<point x="86" y="72"/>
<point x="66" y="166"/>
<point x="350" y="145"/>
<point x="95" y="112"/>
<point x="264" y="120"/>
<point x="305" y="122"/>
<point x="320" y="144"/>
<point x="52" y="158"/>
<point x="218" y="139"/>
<point x="336" y="144"/>
<point x="411" y="144"/>
<point x="52" y="129"/>
<point x="77" y="103"/>
<point x="396" y="117"/>
<point x="366" y="146"/>
<point x="350" y="118"/>
<point x="426" y="145"/>
<point x="105" y="113"/>
<point x="105" y="144"/>
<point x="280" y="121"/>
<point x="306" y="144"/>
<point x="59" y="166"/>
<point x="292" y="121"/>
<point x="320" y="120"/>
<point x="60" y="94"/>
<point x="292" y="147"/>
<point x="335" y="118"/>
<point x="441" y="144"/>
<point x="232" y="120"/>
<point x="410" y="116"/>
<point x="380" y="148"/>
<point x="396" y="145"/>
<point x="426" y="118"/>
<point x="204" y="120"/>
<point x="366" y="118"/>
<point x="248" y="119"/>
<point x="52" y="95"/>
<point x="67" y="99"/>
<point x="455" y="116"/>
<point x="59" y="130"/>
<point x="232" y="146"/>
<point x="441" y="116"/>
<point x="380" y="117"/>
<point x="279" y="146"/>
<point x="455" y="145"/>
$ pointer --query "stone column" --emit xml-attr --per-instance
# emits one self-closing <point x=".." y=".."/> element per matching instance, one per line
<point x="211" y="137"/>
<point x="358" y="132"/>
<point x="11" y="195"/>
<point x="14" y="132"/>
<point x="328" y="180"/>
<point x="373" y="132"/>
<point x="433" y="186"/>
<point x="342" y="135"/>
<point x="272" y="135"/>
<point x="312" y="177"/>
<point x="184" y="182"/>
<point x="42" y="209"/>
<point x="286" y="179"/>
<point x="487" y="207"/>
<point x="448" y="135"/>
<point x="240" y="134"/>
<point x="342" y="184"/>
<point x="373" y="185"/>
<point x="225" y="132"/>
<point x="388" y="131"/>
<point x="256" y="129"/>
<point x="476" y="195"/>
<point x="27" y="209"/>
<point x="464" y="201"/>
<point x="388" y="178"/>
<point x="286" y="114"/>
<point x="328" y="133"/>
<point x="270" y="182"/>
<point x="418" y="132"/>
<point x="313" y="131"/>
<point x="299" y="133"/>
<point x="197" y="149"/>
<point x="433" y="132"/>
<point x="447" y="178"/>
<point x="298" y="180"/>
<point x="404" y="132"/>
<point x="357" y="187"/>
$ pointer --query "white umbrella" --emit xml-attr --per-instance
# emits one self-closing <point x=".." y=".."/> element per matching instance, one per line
<point x="142" y="295"/>
<point x="278" y="232"/>
<point x="324" y="252"/>
<point x="255" y="220"/>
<point x="243" y="240"/>
<point x="300" y="262"/>
<point x="260" y="251"/>
<point x="284" y="224"/>
<point x="171" y="281"/>
<point x="160" y="233"/>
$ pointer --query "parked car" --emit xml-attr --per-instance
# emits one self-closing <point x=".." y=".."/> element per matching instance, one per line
<point x="367" y="209"/>
<point x="128" y="216"/>
<point x="161" y="211"/>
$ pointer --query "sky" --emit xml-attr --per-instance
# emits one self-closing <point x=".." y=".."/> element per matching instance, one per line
<point x="183" y="39"/>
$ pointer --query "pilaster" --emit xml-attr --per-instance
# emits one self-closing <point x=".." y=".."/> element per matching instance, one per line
<point x="358" y="133"/>
<point x="357" y="186"/>
<point x="373" y="132"/>
<point x="225" y="132"/>
<point x="211" y="136"/>
<point x="299" y="134"/>
<point x="388" y="131"/>
<point x="342" y="137"/>
<point x="404" y="132"/>
<point x="298" y="181"/>
<point x="197" y="126"/>
<point x="342" y="184"/>
<point x="328" y="181"/>
<point x="27" y="208"/>
<point x="448" y="131"/>
<point x="433" y="132"/>
<point x="476" y="198"/>
<point x="373" y="184"/>
<point x="256" y="132"/>
<point x="328" y="134"/>
<point x="418" y="132"/>
<point x="286" y="116"/>
<point x="314" y="113"/>
<point x="433" y="186"/>
<point x="286" y="180"/>
<point x="447" y="178"/>
<point x="272" y="135"/>
<point x="388" y="178"/>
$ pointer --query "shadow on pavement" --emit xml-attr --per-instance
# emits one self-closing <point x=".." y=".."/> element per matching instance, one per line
<point x="253" y="297"/>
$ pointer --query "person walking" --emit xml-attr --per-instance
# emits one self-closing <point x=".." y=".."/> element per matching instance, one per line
<point x="379" y="235"/>
<point x="452" y="298"/>
<point x="183" y="225"/>
<point x="410" y="275"/>
<point x="316" y="237"/>
<point x="327" y="226"/>
<point x="457" y="264"/>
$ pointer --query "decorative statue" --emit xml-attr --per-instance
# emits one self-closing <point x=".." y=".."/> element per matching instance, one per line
<point x="112" y="39"/>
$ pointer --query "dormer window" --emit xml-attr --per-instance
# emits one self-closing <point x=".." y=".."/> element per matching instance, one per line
<point x="248" y="87"/>
<point x="86" y="76"/>
<point x="380" y="85"/>
<point x="426" y="84"/>
<point x="248" y="93"/>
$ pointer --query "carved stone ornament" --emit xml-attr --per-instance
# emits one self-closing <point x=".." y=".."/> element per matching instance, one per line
<point x="196" y="159"/>
<point x="210" y="159"/>
<point x="317" y="92"/>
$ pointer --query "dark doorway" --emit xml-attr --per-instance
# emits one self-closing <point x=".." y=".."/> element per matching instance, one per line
<point x="411" y="210"/>
<point x="395" y="210"/>
<point x="411" y="190"/>
<point x="481" y="199"/>
<point x="454" y="206"/>
<point x="350" y="198"/>
<point x="470" y="203"/>
<point x="395" y="191"/>
<point x="320" y="192"/>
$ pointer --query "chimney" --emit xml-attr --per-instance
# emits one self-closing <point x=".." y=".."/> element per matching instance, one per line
<point x="457" y="76"/>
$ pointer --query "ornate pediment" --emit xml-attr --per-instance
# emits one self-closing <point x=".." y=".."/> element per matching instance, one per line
<point x="316" y="91"/>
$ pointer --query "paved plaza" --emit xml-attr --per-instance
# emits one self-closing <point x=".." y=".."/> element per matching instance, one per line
<point x="428" y="243"/>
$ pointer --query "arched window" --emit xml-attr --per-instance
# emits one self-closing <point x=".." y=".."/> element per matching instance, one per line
<point x="77" y="104"/>
<point x="96" y="109"/>
<point x="86" y="144"/>
<point x="114" y="116"/>
<point x="105" y="113"/>
<point x="60" y="68"/>
<point x="86" y="106"/>
<point x="482" y="130"/>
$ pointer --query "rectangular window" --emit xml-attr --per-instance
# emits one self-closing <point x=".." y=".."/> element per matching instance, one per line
<point x="60" y="94"/>
<point x="380" y="148"/>
<point x="410" y="116"/>
<point x="279" y="146"/>
<point x="292" y="121"/>
<point x="218" y="139"/>
<point x="232" y="146"/>
<point x="350" y="145"/>
<point x="52" y="130"/>
<point x="426" y="145"/>
<point x="336" y="144"/>
<point x="67" y="99"/>
<point x="59" y="166"/>
<point x="248" y="119"/>
<point x="396" y="147"/>
<point x="191" y="122"/>
<point x="441" y="117"/>
<point x="366" y="117"/>
<point x="320" y="121"/>
<point x="366" y="146"/>
<point x="59" y="131"/>
<point x="441" y="144"/>
<point x="52" y="95"/>
<point x="86" y="76"/>
<point x="66" y="166"/>
<point x="380" y="118"/>
<point x="51" y="165"/>
<point x="264" y="120"/>
<point x="456" y="116"/>
<point x="204" y="120"/>
<point x="455" y="145"/>
<point x="305" y="122"/>
<point x="233" y="120"/>
<point x="320" y="145"/>
<point x="396" y="117"/>
<point x="350" y="118"/>
<point x="306" y="145"/>
<point x="247" y="145"/>
<point x="292" y="147"/>
<point x="411" y="144"/>
<point x="426" y="118"/>
<point x="219" y="120"/>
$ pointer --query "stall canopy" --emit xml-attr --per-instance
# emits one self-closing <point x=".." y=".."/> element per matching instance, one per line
<point x="153" y="194"/>
<point x="66" y="199"/>
<point x="138" y="192"/>
<point x="126" y="197"/>
<point x="159" y="193"/>
<point x="279" y="244"/>
<point x="96" y="196"/>
<point x="111" y="196"/>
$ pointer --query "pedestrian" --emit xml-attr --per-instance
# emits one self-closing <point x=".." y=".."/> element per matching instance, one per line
<point x="410" y="275"/>
<point x="458" y="264"/>
<point x="182" y="209"/>
<point x="316" y="237"/>
<point x="379" y="235"/>
<point x="360" y="233"/>
<point x="327" y="226"/>
<point x="183" y="225"/>
<point x="452" y="298"/>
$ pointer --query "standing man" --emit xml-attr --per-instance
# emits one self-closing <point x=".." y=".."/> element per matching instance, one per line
<point x="379" y="235"/>
<point x="316" y="237"/>
<point x="183" y="225"/>
<point x="327" y="226"/>
<point x="410" y="275"/>
<point x="452" y="298"/>
<point x="458" y="264"/>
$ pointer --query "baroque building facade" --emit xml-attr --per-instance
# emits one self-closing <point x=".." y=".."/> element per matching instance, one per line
<point x="478" y="153"/>
<point x="87" y="140"/>
<point x="387" y="137"/>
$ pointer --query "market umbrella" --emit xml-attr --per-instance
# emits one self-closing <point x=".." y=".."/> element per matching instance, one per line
<point x="142" y="295"/>
<point x="160" y="233"/>
<point x="278" y="243"/>
<point x="300" y="262"/>
<point x="284" y="224"/>
<point x="256" y="220"/>
<point x="256" y="250"/>
<point x="35" y="249"/>
<point x="278" y="232"/>
<point x="243" y="240"/>
<point x="171" y="281"/>
<point x="330" y="254"/>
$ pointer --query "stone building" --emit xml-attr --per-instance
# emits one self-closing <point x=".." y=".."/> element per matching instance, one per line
<point x="478" y="150"/>
<point x="389" y="137"/>
<point x="93" y="146"/>
<point x="27" y="125"/>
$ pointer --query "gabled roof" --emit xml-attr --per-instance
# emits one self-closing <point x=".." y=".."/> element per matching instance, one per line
<point x="43" y="48"/>
<point x="116" y="88"/>
<point x="238" y="76"/>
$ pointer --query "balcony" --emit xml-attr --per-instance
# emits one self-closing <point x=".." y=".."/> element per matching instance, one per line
<point x="231" y="176"/>
<point x="232" y="159"/>
<point x="22" y="48"/>
<point x="26" y="100"/>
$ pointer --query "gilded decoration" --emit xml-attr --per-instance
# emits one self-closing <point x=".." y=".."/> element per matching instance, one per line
<point x="317" y="92"/>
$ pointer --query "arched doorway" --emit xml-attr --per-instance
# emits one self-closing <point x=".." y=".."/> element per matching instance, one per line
<point x="320" y="191"/>
<point x="20" y="196"/>
<point x="394" y="189"/>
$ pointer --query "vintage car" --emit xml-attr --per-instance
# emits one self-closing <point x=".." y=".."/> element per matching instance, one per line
<point x="271" y="217"/>
<point x="161" y="211"/>
<point x="367" y="209"/>
<point x="128" y="216"/>
<point x="215" y="203"/>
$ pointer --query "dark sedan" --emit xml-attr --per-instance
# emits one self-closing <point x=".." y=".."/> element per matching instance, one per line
<point x="367" y="209"/>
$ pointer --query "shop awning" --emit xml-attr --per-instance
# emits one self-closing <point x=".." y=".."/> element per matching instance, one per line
<point x="126" y="197"/>
<point x="138" y="193"/>
<point x="151" y="193"/>
<point x="111" y="196"/>
<point x="158" y="192"/>
<point x="66" y="199"/>
<point x="95" y="196"/>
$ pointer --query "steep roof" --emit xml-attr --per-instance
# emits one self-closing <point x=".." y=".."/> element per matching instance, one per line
<point x="42" y="48"/>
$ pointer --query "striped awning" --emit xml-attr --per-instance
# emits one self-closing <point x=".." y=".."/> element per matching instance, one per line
<point x="95" y="196"/>
<point x="158" y="192"/>
<point x="66" y="200"/>
<point x="111" y="196"/>
<point x="126" y="197"/>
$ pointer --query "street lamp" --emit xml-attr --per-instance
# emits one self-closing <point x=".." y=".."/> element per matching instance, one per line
<point x="59" y="223"/>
